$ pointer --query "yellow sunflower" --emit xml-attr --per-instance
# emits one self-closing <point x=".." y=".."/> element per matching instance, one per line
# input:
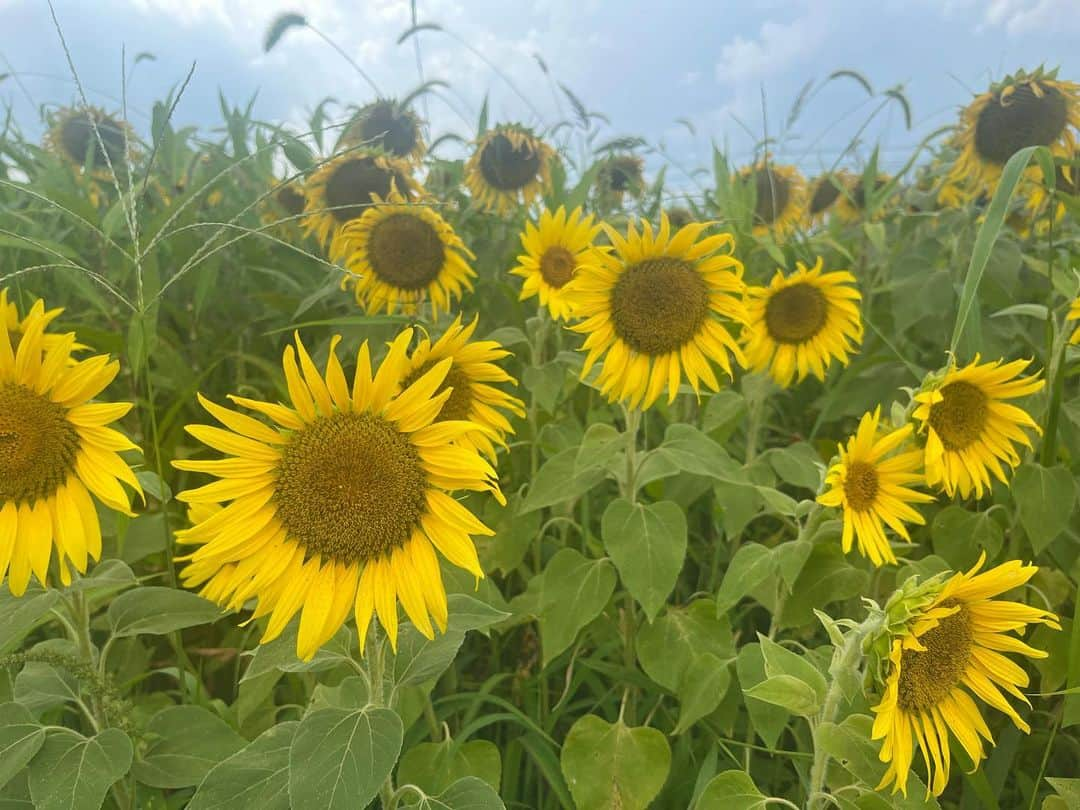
<point x="948" y="653"/>
<point x="779" y="197"/>
<point x="341" y="504"/>
<point x="1027" y="109"/>
<point x="1066" y="181"/>
<point x="657" y="306"/>
<point x="799" y="324"/>
<point x="473" y="398"/>
<point x="554" y="250"/>
<point x="1074" y="315"/>
<point x="341" y="190"/>
<point x="871" y="484"/>
<point x="386" y="125"/>
<point x="74" y="135"/>
<point x="56" y="449"/>
<point x="970" y="428"/>
<point x="824" y="191"/>
<point x="619" y="175"/>
<point x="851" y="207"/>
<point x="510" y="166"/>
<point x="401" y="254"/>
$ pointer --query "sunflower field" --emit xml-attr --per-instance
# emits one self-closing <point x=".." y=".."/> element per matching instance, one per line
<point x="358" y="466"/>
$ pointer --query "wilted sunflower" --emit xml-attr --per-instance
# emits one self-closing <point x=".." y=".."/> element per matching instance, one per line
<point x="473" y="398"/>
<point x="824" y="191"/>
<point x="400" y="254"/>
<point x="799" y="324"/>
<point x="619" y="175"/>
<point x="951" y="650"/>
<point x="970" y="428"/>
<point x="344" y="187"/>
<point x="779" y="197"/>
<point x="384" y="124"/>
<point x="72" y="136"/>
<point x="341" y="504"/>
<point x="1027" y="109"/>
<point x="1074" y="315"/>
<point x="56" y="449"/>
<point x="852" y="205"/>
<point x="509" y="165"/>
<point x="554" y="250"/>
<point x="657" y="306"/>
<point x="871" y="484"/>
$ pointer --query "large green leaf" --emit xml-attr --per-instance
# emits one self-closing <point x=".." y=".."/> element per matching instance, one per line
<point x="157" y="610"/>
<point x="1045" y="497"/>
<point x="421" y="659"/>
<point x="612" y="766"/>
<point x="20" y="738"/>
<point x="556" y="481"/>
<point x="19" y="615"/>
<point x="574" y="590"/>
<point x="752" y="564"/>
<point x="731" y="790"/>
<point x="469" y="793"/>
<point x="433" y="767"/>
<point x="667" y="647"/>
<point x="647" y="543"/>
<point x="185" y="743"/>
<point x="255" y="778"/>
<point x="73" y="772"/>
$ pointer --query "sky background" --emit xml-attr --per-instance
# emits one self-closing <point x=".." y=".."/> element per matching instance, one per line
<point x="730" y="69"/>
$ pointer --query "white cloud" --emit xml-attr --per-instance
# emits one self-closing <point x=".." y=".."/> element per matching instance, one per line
<point x="1025" y="16"/>
<point x="773" y="51"/>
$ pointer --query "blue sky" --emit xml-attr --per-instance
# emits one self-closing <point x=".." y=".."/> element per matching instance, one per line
<point x="731" y="69"/>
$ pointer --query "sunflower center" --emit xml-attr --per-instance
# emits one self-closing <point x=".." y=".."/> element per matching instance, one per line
<point x="1023" y="118"/>
<point x="861" y="485"/>
<point x="78" y="139"/>
<point x="825" y="194"/>
<point x="291" y="200"/>
<point x="38" y="445"/>
<point x="960" y="417"/>
<point x="350" y="487"/>
<point x="507" y="167"/>
<point x="796" y="313"/>
<point x="458" y="405"/>
<point x="658" y="305"/>
<point x="349" y="188"/>
<point x="772" y="194"/>
<point x="557" y="266"/>
<point x="405" y="251"/>
<point x="927" y="677"/>
<point x="385" y="127"/>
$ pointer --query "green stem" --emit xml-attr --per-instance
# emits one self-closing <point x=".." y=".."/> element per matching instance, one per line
<point x="633" y="423"/>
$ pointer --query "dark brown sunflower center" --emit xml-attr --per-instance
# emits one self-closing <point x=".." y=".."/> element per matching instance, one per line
<point x="795" y="314"/>
<point x="350" y="487"/>
<point x="349" y="188"/>
<point x="623" y="175"/>
<point x="389" y="128"/>
<point x="38" y="445"/>
<point x="79" y="141"/>
<point x="861" y="485"/>
<point x="927" y="677"/>
<point x="825" y="194"/>
<point x="291" y="200"/>
<point x="659" y="305"/>
<point x="458" y="405"/>
<point x="557" y="266"/>
<point x="506" y="167"/>
<point x="1023" y="118"/>
<point x="405" y="251"/>
<point x="960" y="417"/>
<point x="772" y="194"/>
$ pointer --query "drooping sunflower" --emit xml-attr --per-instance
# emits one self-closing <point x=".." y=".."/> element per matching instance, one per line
<point x="852" y="205"/>
<point x="779" y="197"/>
<point x="472" y="372"/>
<point x="824" y="191"/>
<point x="341" y="504"/>
<point x="1074" y="315"/>
<point x="510" y="165"/>
<point x="872" y="485"/>
<point x="619" y="175"/>
<point x="554" y="250"/>
<point x="799" y="324"/>
<point x="970" y="428"/>
<point x="56" y="450"/>
<point x="949" y="653"/>
<point x="284" y="205"/>
<point x="344" y="187"/>
<point x="400" y="254"/>
<point x="90" y="138"/>
<point x="1026" y="109"/>
<point x="657" y="306"/>
<point x="386" y="125"/>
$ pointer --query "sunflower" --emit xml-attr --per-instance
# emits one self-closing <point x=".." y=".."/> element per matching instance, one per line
<point x="824" y="191"/>
<point x="508" y="165"/>
<point x="79" y="135"/>
<point x="852" y="205"/>
<point x="473" y="398"/>
<point x="659" y="305"/>
<point x="799" y="324"/>
<point x="386" y="125"/>
<point x="1028" y="109"/>
<point x="56" y="449"/>
<point x="343" y="188"/>
<point x="400" y="254"/>
<point x="949" y="652"/>
<point x="1066" y="181"/>
<point x="871" y="484"/>
<point x="1074" y="315"/>
<point x="619" y="175"/>
<point x="969" y="427"/>
<point x="341" y="503"/>
<point x="554" y="250"/>
<point x="779" y="197"/>
<point x="680" y="216"/>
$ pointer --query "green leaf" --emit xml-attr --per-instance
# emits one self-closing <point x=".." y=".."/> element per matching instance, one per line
<point x="612" y="766"/>
<point x="469" y="793"/>
<point x="825" y="578"/>
<point x="600" y="446"/>
<point x="185" y="743"/>
<point x="690" y="450"/>
<point x="647" y="543"/>
<point x="752" y="564"/>
<point x="723" y="413"/>
<point x="280" y="654"/>
<point x="73" y="772"/>
<point x="1044" y="497"/>
<point x="798" y="464"/>
<point x="40" y="687"/>
<point x="959" y="536"/>
<point x="574" y="591"/>
<point x="255" y="778"/>
<point x="19" y="615"/>
<point x="339" y="759"/>
<point x="556" y="481"/>
<point x="788" y="692"/>
<point x="780" y="660"/>
<point x="157" y="610"/>
<point x="667" y="647"/>
<point x="703" y="687"/>
<point x="420" y="659"/>
<point x="433" y="767"/>
<point x="731" y="790"/>
<point x="545" y="383"/>
<point x="20" y="738"/>
<point x="1068" y="789"/>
